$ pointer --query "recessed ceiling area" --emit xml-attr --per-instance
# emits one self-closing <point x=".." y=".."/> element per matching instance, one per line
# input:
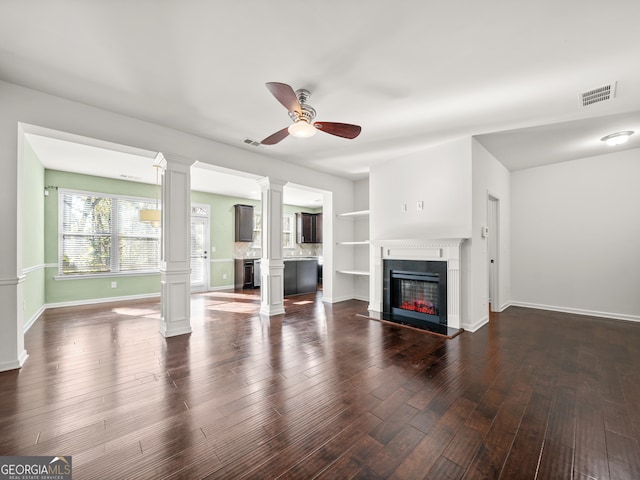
<point x="67" y="156"/>
<point x="560" y="142"/>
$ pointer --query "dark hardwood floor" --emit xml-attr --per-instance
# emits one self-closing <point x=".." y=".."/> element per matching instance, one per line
<point x="324" y="393"/>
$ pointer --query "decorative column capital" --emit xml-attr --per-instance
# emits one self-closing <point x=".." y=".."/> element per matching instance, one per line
<point x="271" y="183"/>
<point x="166" y="159"/>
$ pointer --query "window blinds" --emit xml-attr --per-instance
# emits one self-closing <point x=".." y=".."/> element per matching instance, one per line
<point x="102" y="234"/>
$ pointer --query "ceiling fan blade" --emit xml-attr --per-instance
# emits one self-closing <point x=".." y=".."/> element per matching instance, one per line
<point x="276" y="137"/>
<point x="285" y="95"/>
<point x="344" y="130"/>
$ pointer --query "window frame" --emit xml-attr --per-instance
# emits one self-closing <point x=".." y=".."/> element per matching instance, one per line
<point x="114" y="235"/>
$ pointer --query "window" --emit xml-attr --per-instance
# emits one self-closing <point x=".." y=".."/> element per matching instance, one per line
<point x="288" y="231"/>
<point x="257" y="230"/>
<point x="102" y="234"/>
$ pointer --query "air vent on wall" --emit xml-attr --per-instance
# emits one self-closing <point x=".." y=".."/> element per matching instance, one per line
<point x="600" y="94"/>
<point x="251" y="142"/>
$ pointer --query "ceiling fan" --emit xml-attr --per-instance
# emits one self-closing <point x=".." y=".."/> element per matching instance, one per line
<point x="302" y="115"/>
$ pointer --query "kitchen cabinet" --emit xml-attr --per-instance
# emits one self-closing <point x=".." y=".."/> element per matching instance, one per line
<point x="309" y="227"/>
<point x="300" y="276"/>
<point x="244" y="223"/>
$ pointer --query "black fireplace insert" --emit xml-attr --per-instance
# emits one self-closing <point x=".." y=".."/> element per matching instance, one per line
<point x="415" y="292"/>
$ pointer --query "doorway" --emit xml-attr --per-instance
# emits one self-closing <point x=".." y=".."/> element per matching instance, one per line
<point x="200" y="248"/>
<point x="493" y="243"/>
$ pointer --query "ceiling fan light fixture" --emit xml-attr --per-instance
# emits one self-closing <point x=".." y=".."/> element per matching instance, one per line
<point x="617" y="138"/>
<point x="302" y="129"/>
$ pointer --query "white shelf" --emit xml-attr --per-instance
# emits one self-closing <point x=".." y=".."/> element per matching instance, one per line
<point x="360" y="213"/>
<point x="354" y="272"/>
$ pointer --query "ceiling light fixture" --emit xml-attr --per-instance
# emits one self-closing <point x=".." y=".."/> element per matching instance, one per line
<point x="302" y="129"/>
<point x="617" y="138"/>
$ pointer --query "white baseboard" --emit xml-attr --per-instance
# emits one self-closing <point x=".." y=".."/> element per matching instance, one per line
<point x="578" y="311"/>
<point x="77" y="303"/>
<point x="13" y="365"/>
<point x="33" y="319"/>
<point x="475" y="326"/>
<point x="337" y="299"/>
<point x="223" y="287"/>
<point x="504" y="306"/>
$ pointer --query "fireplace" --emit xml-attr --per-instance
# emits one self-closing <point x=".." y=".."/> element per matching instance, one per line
<point x="441" y="253"/>
<point x="415" y="292"/>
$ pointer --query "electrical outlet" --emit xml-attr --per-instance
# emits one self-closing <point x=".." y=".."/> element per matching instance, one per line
<point x="420" y="205"/>
<point x="224" y="276"/>
<point x="114" y="284"/>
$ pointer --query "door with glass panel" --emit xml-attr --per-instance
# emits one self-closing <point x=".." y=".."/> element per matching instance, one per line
<point x="199" y="249"/>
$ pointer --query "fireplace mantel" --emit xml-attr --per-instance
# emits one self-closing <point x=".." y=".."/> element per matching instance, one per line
<point x="444" y="249"/>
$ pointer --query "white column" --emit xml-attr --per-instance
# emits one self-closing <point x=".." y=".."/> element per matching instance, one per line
<point x="272" y="263"/>
<point x="175" y="262"/>
<point x="453" y="292"/>
<point x="12" y="352"/>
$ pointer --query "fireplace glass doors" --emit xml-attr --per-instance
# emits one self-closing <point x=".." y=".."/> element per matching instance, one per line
<point x="415" y="292"/>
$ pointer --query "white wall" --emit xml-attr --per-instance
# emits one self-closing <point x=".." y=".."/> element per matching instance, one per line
<point x="20" y="104"/>
<point x="440" y="177"/>
<point x="490" y="177"/>
<point x="575" y="242"/>
<point x="443" y="178"/>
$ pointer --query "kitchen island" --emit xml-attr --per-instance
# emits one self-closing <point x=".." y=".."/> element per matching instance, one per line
<point x="300" y="275"/>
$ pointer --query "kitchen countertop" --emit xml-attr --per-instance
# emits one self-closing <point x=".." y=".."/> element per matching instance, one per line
<point x="286" y="259"/>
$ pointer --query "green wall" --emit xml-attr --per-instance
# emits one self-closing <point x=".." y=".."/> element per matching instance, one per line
<point x="33" y="234"/>
<point x="69" y="290"/>
<point x="222" y="231"/>
<point x="221" y="222"/>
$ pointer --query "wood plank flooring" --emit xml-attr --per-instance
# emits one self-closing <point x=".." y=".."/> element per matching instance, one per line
<point x="324" y="393"/>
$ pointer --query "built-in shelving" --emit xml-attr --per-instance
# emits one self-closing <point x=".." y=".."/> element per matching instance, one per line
<point x="354" y="272"/>
<point x="360" y="214"/>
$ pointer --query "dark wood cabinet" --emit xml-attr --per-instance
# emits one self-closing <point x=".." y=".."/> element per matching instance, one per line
<point x="307" y="272"/>
<point x="300" y="276"/>
<point x="244" y="223"/>
<point x="290" y="278"/>
<point x="308" y="227"/>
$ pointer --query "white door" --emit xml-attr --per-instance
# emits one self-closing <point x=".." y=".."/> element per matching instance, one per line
<point x="199" y="253"/>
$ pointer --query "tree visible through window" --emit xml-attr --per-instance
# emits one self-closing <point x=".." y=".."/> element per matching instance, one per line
<point x="102" y="234"/>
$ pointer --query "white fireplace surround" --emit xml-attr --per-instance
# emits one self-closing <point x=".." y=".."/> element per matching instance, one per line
<point x="421" y="249"/>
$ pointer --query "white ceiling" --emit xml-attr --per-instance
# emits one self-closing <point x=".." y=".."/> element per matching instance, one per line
<point x="71" y="156"/>
<point x="411" y="73"/>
